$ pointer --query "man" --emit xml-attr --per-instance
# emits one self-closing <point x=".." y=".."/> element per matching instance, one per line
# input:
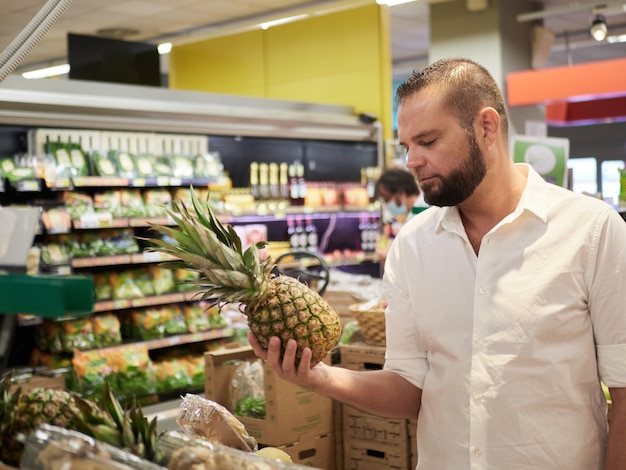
<point x="506" y="304"/>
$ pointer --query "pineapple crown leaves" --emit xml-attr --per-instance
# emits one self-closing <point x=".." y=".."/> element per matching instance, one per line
<point x="203" y="244"/>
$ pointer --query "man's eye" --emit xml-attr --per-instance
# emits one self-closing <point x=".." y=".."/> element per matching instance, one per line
<point x="426" y="144"/>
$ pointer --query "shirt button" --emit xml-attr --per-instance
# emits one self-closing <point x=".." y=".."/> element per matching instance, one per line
<point x="476" y="451"/>
<point x="478" y="395"/>
<point x="482" y="290"/>
<point x="479" y="343"/>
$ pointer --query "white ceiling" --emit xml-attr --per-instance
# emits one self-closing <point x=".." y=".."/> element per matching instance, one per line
<point x="188" y="20"/>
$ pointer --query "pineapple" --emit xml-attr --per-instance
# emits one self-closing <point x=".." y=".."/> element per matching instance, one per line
<point x="275" y="305"/>
<point x="126" y="429"/>
<point x="22" y="411"/>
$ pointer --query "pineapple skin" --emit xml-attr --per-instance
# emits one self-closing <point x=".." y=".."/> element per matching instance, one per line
<point x="290" y="309"/>
<point x="33" y="408"/>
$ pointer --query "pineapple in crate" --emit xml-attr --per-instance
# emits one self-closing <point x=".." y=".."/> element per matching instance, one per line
<point x="275" y="305"/>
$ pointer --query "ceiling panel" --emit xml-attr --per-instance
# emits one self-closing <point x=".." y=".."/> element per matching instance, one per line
<point x="158" y="19"/>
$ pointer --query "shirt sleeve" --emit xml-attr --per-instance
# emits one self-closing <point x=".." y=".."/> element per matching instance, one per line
<point x="607" y="299"/>
<point x="404" y="352"/>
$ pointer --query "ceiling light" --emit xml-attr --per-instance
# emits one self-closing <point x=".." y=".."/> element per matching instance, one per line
<point x="289" y="19"/>
<point x="47" y="72"/>
<point x="598" y="28"/>
<point x="164" y="48"/>
<point x="391" y="3"/>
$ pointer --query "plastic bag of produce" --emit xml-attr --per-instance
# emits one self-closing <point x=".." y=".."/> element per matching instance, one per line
<point x="171" y="375"/>
<point x="53" y="448"/>
<point x="200" y="417"/>
<point x="106" y="330"/>
<point x="246" y="390"/>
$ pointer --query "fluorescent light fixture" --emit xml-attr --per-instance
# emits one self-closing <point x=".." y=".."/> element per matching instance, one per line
<point x="598" y="28"/>
<point x="164" y="48"/>
<point x="616" y="38"/>
<point x="289" y="19"/>
<point x="47" y="72"/>
<point x="391" y="3"/>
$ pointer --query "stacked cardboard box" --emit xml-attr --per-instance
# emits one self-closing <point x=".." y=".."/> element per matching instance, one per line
<point x="412" y="423"/>
<point x="371" y="442"/>
<point x="297" y="420"/>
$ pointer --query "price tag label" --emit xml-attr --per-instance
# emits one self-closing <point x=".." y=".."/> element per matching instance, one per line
<point x="176" y="182"/>
<point x="96" y="220"/>
<point x="139" y="182"/>
<point x="163" y="181"/>
<point x="28" y="185"/>
<point x="152" y="257"/>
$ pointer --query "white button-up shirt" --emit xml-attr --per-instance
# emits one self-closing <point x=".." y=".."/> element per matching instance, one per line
<point x="509" y="346"/>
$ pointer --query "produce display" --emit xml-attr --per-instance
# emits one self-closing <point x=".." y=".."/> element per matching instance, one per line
<point x="54" y="430"/>
<point x="274" y="305"/>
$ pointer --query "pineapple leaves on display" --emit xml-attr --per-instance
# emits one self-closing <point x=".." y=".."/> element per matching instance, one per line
<point x="275" y="305"/>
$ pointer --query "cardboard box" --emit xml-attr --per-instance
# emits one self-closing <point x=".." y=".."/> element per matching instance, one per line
<point x="313" y="451"/>
<point x="372" y="455"/>
<point x="362" y="356"/>
<point x="367" y="427"/>
<point x="338" y="426"/>
<point x="292" y="413"/>
<point x="412" y="427"/>
<point x="340" y="301"/>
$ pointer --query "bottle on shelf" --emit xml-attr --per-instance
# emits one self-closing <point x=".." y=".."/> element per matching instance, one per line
<point x="255" y="189"/>
<point x="294" y="191"/>
<point x="264" y="181"/>
<point x="311" y="234"/>
<point x="301" y="183"/>
<point x="301" y="235"/>
<point x="284" y="180"/>
<point x="274" y="184"/>
<point x="292" y="236"/>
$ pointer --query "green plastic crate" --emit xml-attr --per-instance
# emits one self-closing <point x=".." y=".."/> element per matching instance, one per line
<point x="46" y="296"/>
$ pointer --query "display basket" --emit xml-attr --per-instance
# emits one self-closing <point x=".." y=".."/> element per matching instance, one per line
<point x="371" y="319"/>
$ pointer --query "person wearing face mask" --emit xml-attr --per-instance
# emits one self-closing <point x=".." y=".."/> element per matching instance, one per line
<point x="401" y="199"/>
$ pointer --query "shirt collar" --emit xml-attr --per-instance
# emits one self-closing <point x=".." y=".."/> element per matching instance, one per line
<point x="534" y="200"/>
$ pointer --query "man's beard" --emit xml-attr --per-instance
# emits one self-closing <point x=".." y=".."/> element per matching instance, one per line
<point x="461" y="183"/>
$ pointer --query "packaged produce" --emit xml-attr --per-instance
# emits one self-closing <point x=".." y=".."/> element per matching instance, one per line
<point x="162" y="279"/>
<point x="54" y="254"/>
<point x="143" y="279"/>
<point x="77" y="204"/>
<point x="131" y="204"/>
<point x="77" y="334"/>
<point x="200" y="417"/>
<point x="182" y="452"/>
<point x="196" y="318"/>
<point x="103" y="164"/>
<point x="89" y="369"/>
<point x="106" y="330"/>
<point x="183" y="279"/>
<point x="109" y="202"/>
<point x="56" y="220"/>
<point x="246" y="390"/>
<point x="133" y="373"/>
<point x="174" y="320"/>
<point x="148" y="323"/>
<point x="53" y="448"/>
<point x="156" y="201"/>
<point x="182" y="166"/>
<point x="195" y="369"/>
<point x="171" y="375"/>
<point x="123" y="286"/>
<point x="48" y="336"/>
<point x="102" y="287"/>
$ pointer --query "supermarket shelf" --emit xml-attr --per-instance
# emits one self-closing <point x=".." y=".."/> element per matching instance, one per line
<point x="120" y="304"/>
<point x="176" y="340"/>
<point x="116" y="260"/>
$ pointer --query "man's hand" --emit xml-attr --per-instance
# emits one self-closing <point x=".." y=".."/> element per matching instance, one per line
<point x="302" y="375"/>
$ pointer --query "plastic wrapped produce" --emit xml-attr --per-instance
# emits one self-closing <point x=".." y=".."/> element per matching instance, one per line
<point x="54" y="448"/>
<point x="200" y="417"/>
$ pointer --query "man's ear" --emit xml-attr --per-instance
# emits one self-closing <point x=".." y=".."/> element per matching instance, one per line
<point x="489" y="125"/>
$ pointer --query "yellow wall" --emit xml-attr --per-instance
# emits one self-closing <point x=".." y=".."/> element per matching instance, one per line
<point x="340" y="58"/>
